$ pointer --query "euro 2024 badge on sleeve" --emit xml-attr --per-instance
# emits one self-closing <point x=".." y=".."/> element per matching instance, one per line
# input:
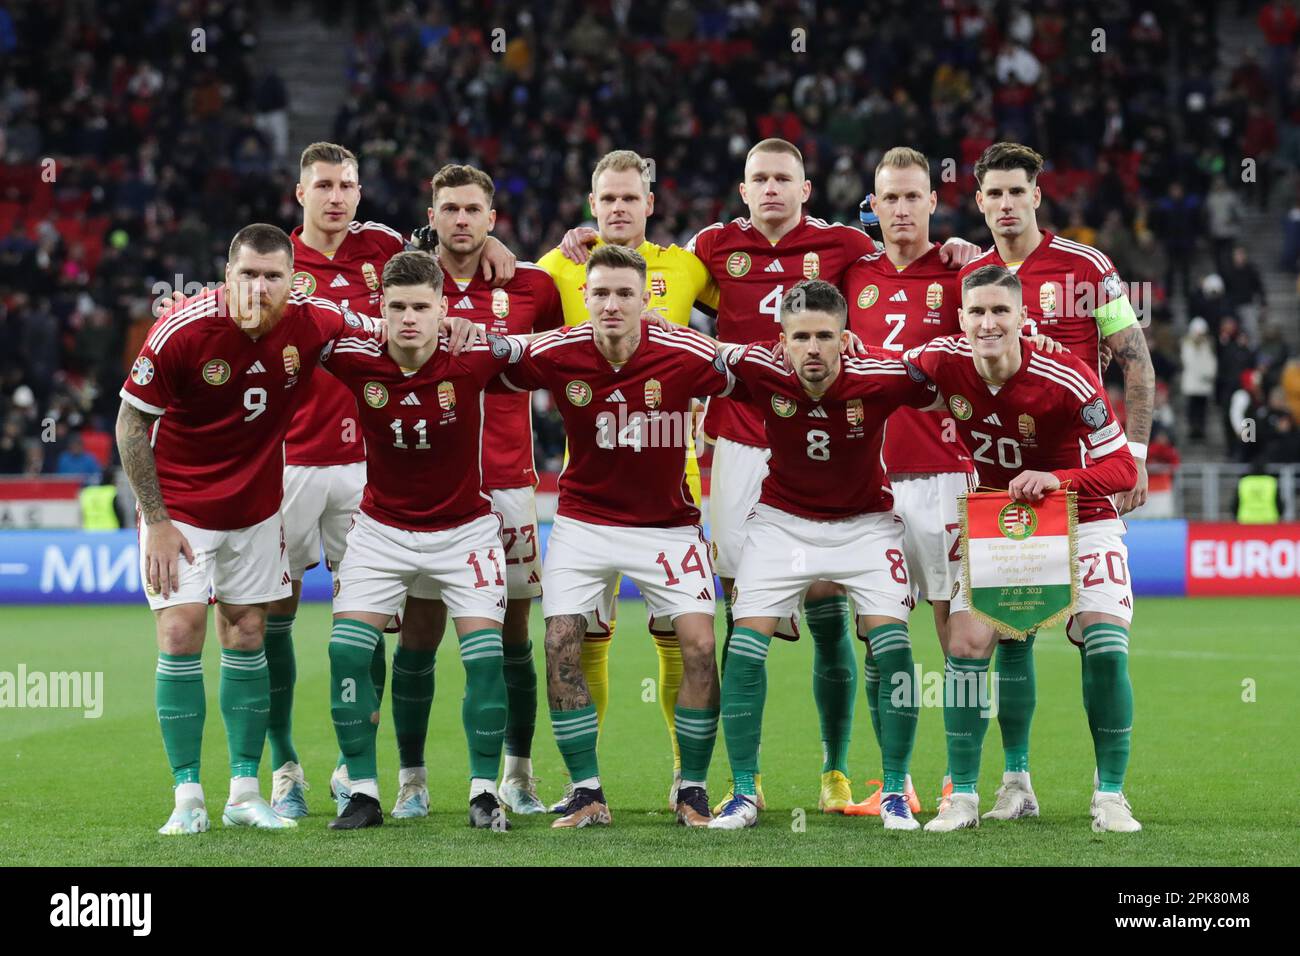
<point x="1019" y="562"/>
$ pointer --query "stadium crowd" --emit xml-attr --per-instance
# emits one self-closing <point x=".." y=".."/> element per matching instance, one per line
<point x="127" y="165"/>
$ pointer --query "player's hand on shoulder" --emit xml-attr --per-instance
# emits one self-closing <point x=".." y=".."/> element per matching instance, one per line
<point x="424" y="239"/>
<point x="163" y="550"/>
<point x="656" y="316"/>
<point x="1031" y="486"/>
<point x="956" y="252"/>
<point x="462" y="333"/>
<point x="1045" y="344"/>
<point x="576" y="244"/>
<point x="172" y="300"/>
<point x="854" y="347"/>
<point x="497" y="262"/>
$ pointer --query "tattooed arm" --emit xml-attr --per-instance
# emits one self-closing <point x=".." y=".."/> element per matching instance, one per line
<point x="566" y="688"/>
<point x="162" y="542"/>
<point x="1130" y="348"/>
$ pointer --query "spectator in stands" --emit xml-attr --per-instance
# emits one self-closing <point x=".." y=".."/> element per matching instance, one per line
<point x="75" y="460"/>
<point x="1243" y="287"/>
<point x="13" y="449"/>
<point x="1278" y="22"/>
<point x="271" y="104"/>
<point x="1290" y="382"/>
<point x="1200" y="363"/>
<point x="1210" y="302"/>
<point x="1177" y="220"/>
<point x="1245" y="408"/>
<point x="1224" y="217"/>
<point x="1235" y="358"/>
<point x="1162" y="463"/>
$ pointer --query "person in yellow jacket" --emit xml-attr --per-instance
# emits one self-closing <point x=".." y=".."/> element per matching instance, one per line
<point x="1259" y="501"/>
<point x="622" y="200"/>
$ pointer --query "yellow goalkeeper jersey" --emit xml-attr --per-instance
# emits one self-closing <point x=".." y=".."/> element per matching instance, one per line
<point x="677" y="280"/>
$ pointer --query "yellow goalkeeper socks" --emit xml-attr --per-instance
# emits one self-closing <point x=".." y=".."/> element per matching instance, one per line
<point x="595" y="668"/>
<point x="670" y="683"/>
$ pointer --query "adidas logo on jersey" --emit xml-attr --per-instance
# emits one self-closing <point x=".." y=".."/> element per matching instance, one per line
<point x="774" y="266"/>
<point x="899" y="296"/>
<point x="411" y="399"/>
<point x="818" y="412"/>
<point x="257" y="368"/>
<point x="616" y="396"/>
<point x="993" y="420"/>
<point x="704" y="595"/>
<point x="533" y="578"/>
<point x="465" y="303"/>
<point x="338" y="282"/>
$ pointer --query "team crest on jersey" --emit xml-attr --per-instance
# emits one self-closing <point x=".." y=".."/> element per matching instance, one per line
<point x="376" y="395"/>
<point x="933" y="296"/>
<point x="1047" y="298"/>
<point x="867" y="297"/>
<point x="812" y="265"/>
<point x="578" y="393"/>
<point x="292" y="361"/>
<point x="142" y="371"/>
<point x="216" y="372"/>
<point x="500" y="303"/>
<point x="1017" y="521"/>
<point x="304" y="282"/>
<point x="1028" y="429"/>
<point x="738" y="264"/>
<point x="658" y="284"/>
<point x="654" y="393"/>
<point x="960" y="407"/>
<point x="371" y="276"/>
<point x="853" y="410"/>
<point x="446" y="396"/>
<point x="785" y="407"/>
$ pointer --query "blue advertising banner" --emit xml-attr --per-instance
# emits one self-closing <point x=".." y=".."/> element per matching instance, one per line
<point x="78" y="567"/>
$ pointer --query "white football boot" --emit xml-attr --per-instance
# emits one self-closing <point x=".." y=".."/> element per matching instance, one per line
<point x="961" y="812"/>
<point x="1015" y="799"/>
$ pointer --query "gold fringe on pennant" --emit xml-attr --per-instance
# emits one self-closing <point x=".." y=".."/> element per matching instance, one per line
<point x="1072" y="512"/>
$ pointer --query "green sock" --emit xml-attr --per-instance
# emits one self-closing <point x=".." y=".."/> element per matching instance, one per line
<point x="871" y="677"/>
<point x="283" y="670"/>
<point x="835" y="678"/>
<point x="354" y="706"/>
<point x="181" y="706"/>
<point x="891" y="649"/>
<point x="483" y="711"/>
<point x="521" y="700"/>
<point x="1017" y="696"/>
<point x="1110" y="701"/>
<point x="965" y="719"/>
<point x="412" y="697"/>
<point x="696" y="732"/>
<point x="245" y="698"/>
<point x="379" y="668"/>
<point x="744" y="690"/>
<point x="575" y="735"/>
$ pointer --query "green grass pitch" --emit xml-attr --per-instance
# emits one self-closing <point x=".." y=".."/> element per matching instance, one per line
<point x="1212" y="776"/>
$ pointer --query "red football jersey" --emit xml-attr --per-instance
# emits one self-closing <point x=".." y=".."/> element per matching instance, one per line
<point x="320" y="432"/>
<point x="1063" y="282"/>
<point x="1042" y="419"/>
<point x="527" y="303"/>
<point x="423" y="431"/>
<point x="752" y="275"/>
<point x="897" y="311"/>
<point x="826" y="463"/>
<point x="627" y="427"/>
<point x="226" y="401"/>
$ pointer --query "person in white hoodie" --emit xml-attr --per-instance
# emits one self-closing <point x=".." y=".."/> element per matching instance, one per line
<point x="1199" y="367"/>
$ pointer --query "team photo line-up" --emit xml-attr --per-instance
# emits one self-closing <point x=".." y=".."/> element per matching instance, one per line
<point x="407" y="458"/>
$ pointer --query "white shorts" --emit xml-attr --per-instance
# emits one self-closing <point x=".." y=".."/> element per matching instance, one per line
<point x="671" y="566"/>
<point x="734" y="487"/>
<point x="1105" y="586"/>
<point x="319" y="502"/>
<point x="931" y="530"/>
<point x="461" y="566"/>
<point x="244" y="566"/>
<point x="785" y="553"/>
<point x="520" y="540"/>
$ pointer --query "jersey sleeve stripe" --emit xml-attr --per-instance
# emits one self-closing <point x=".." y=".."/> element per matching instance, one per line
<point x="509" y="384"/>
<point x="136" y="402"/>
<point x="690" y="246"/>
<point x="1064" y="383"/>
<point x="176" y="328"/>
<point x="1064" y="371"/>
<point x="1112" y="446"/>
<point x="196" y="310"/>
<point x="759" y="360"/>
<point x="570" y="339"/>
<point x="1094" y="256"/>
<point x="373" y="226"/>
